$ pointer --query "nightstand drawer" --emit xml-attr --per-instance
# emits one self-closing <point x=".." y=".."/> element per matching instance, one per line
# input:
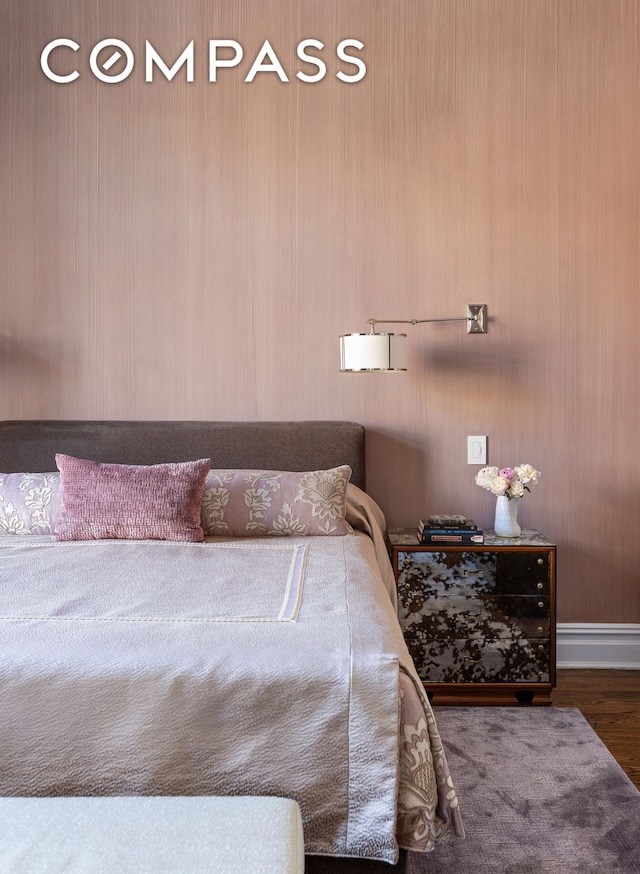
<point x="504" y="660"/>
<point x="505" y="617"/>
<point x="489" y="572"/>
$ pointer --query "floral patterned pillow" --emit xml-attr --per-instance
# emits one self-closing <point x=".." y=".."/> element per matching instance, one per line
<point x="29" y="502"/>
<point x="256" y="503"/>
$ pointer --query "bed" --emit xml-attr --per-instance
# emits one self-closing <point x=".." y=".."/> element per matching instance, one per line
<point x="230" y="665"/>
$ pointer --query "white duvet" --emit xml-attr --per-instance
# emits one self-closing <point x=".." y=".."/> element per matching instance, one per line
<point x="246" y="667"/>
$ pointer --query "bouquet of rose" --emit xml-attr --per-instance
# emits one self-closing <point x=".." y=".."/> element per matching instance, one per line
<point x="512" y="482"/>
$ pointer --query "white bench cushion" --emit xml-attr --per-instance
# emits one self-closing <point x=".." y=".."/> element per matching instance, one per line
<point x="256" y="834"/>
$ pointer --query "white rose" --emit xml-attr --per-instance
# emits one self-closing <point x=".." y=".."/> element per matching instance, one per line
<point x="499" y="485"/>
<point x="486" y="476"/>
<point x="516" y="489"/>
<point x="527" y="473"/>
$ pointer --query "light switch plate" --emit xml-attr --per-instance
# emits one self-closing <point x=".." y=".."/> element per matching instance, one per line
<point x="476" y="450"/>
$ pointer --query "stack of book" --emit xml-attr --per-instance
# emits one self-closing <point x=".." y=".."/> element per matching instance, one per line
<point x="449" y="530"/>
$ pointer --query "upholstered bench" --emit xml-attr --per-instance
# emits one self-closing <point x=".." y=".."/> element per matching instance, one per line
<point x="150" y="835"/>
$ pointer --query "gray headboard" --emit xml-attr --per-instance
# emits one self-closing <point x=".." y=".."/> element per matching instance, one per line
<point x="32" y="445"/>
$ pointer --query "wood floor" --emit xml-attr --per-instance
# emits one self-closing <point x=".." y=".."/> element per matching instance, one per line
<point x="610" y="701"/>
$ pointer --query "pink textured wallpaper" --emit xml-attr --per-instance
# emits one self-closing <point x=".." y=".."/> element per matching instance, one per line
<point x="192" y="250"/>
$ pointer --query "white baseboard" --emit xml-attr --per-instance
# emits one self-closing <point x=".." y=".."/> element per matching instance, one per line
<point x="598" y="645"/>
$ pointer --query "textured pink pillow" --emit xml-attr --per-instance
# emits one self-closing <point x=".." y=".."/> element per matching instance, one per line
<point x="130" y="502"/>
<point x="255" y="503"/>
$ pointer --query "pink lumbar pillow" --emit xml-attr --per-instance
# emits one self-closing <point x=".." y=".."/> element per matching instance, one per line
<point x="130" y="502"/>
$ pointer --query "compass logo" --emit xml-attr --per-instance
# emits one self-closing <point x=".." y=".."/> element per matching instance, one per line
<point x="106" y="54"/>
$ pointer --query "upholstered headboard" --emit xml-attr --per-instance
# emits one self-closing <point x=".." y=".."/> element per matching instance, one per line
<point x="32" y="445"/>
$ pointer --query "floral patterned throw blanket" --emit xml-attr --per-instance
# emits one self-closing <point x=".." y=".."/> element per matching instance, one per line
<point x="263" y="667"/>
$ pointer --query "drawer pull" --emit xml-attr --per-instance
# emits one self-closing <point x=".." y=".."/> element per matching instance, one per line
<point x="541" y="648"/>
<point x="540" y="628"/>
<point x="473" y="661"/>
<point x="541" y="585"/>
<point x="540" y="603"/>
<point x="540" y="561"/>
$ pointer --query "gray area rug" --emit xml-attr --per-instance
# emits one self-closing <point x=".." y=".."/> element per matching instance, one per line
<point x="539" y="793"/>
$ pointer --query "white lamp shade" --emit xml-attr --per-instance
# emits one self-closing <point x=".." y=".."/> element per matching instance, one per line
<point x="365" y="352"/>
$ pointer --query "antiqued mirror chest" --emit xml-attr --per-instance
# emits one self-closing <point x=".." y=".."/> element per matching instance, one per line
<point x="479" y="620"/>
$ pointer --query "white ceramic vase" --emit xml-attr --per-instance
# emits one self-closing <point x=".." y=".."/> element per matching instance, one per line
<point x="506" y="524"/>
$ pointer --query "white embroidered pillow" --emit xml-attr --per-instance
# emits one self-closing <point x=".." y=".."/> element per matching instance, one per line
<point x="29" y="502"/>
<point x="256" y="503"/>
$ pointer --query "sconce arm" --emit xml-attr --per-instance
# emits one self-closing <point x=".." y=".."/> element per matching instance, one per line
<point x="476" y="319"/>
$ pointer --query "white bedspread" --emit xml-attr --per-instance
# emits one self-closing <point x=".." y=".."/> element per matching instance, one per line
<point x="154" y="581"/>
<point x="219" y="668"/>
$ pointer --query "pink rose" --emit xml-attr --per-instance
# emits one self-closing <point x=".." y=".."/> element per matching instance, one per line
<point x="508" y="473"/>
